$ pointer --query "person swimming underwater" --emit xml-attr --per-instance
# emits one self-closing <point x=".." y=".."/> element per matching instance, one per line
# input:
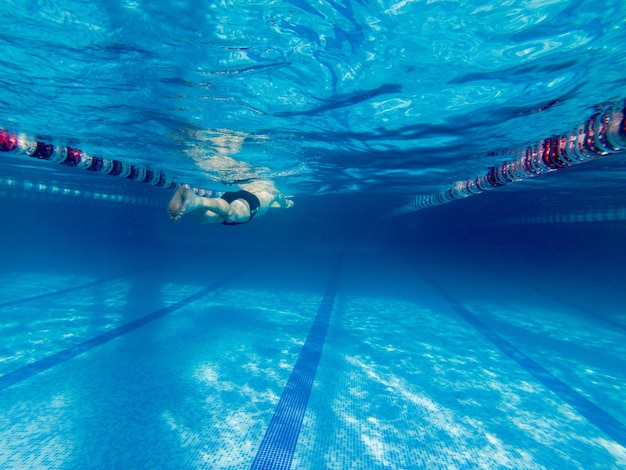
<point x="231" y="208"/>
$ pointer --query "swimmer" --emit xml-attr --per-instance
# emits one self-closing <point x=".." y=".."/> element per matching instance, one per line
<point x="232" y="208"/>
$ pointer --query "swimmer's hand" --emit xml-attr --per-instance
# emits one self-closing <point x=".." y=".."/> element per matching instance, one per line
<point x="286" y="204"/>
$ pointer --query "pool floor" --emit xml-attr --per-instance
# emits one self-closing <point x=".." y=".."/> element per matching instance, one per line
<point x="338" y="359"/>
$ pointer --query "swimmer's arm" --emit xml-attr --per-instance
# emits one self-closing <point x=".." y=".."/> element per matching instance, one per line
<point x="281" y="202"/>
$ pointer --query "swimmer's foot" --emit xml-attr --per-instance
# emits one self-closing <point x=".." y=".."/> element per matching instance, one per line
<point x="183" y="200"/>
<point x="175" y="203"/>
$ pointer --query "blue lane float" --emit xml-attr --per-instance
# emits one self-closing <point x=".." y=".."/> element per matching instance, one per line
<point x="11" y="186"/>
<point x="23" y="145"/>
<point x="602" y="134"/>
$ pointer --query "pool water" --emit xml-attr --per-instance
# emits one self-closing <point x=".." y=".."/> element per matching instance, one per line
<point x="357" y="330"/>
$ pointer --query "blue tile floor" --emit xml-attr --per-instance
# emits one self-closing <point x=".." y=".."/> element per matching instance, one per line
<point x="379" y="363"/>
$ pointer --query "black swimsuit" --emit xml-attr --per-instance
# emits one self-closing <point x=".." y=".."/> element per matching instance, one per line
<point x="250" y="198"/>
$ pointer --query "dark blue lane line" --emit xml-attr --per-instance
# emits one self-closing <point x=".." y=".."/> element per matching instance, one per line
<point x="72" y="288"/>
<point x="592" y="412"/>
<point x="595" y="315"/>
<point x="279" y="443"/>
<point x="30" y="370"/>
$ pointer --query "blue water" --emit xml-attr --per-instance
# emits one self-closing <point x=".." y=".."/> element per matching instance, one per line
<point x="343" y="333"/>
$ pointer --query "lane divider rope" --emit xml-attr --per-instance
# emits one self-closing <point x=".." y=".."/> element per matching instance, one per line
<point x="21" y="144"/>
<point x="602" y="134"/>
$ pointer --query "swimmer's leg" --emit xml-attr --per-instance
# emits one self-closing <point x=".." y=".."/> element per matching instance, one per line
<point x="206" y="210"/>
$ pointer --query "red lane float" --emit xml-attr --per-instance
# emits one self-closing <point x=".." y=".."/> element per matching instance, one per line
<point x="20" y="144"/>
<point x="602" y="134"/>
